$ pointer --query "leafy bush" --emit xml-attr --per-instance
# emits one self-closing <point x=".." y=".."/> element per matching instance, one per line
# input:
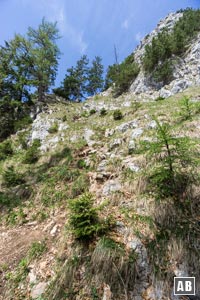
<point x="32" y="154"/>
<point x="64" y="118"/>
<point x="5" y="150"/>
<point x="8" y="199"/>
<point x="164" y="72"/>
<point x="12" y="178"/>
<point x="92" y="111"/>
<point x="117" y="115"/>
<point x="84" y="220"/>
<point x="103" y="112"/>
<point x="53" y="128"/>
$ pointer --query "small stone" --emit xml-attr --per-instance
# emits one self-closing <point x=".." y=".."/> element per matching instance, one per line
<point x="133" y="167"/>
<point x="136" y="132"/>
<point x="38" y="290"/>
<point x="131" y="147"/>
<point x="111" y="186"/>
<point x="101" y="167"/>
<point x="106" y="292"/>
<point x="62" y="127"/>
<point x="87" y="136"/>
<point x="116" y="143"/>
<point x="152" y="125"/>
<point x="165" y="93"/>
<point x="54" y="230"/>
<point x="125" y="126"/>
<point x="109" y="132"/>
<point x="32" y="277"/>
<point x="31" y="223"/>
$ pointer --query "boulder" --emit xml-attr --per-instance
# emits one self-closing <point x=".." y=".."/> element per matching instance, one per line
<point x="111" y="186"/>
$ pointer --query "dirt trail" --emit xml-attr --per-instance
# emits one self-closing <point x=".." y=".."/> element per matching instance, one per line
<point x="14" y="244"/>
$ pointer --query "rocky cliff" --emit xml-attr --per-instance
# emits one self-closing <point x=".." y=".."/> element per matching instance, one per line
<point x="186" y="72"/>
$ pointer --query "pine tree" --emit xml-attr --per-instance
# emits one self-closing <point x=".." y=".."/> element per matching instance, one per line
<point x="29" y="62"/>
<point x="173" y="155"/>
<point x="44" y="56"/>
<point x="15" y="69"/>
<point x="95" y="77"/>
<point x="74" y="85"/>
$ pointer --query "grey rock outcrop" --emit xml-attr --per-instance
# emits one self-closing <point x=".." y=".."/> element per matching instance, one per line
<point x="186" y="70"/>
<point x="111" y="186"/>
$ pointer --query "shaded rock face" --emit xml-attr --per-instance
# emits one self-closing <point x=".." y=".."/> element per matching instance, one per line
<point x="186" y="72"/>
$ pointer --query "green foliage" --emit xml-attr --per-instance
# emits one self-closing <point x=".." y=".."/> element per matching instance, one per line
<point x="117" y="114"/>
<point x="29" y="61"/>
<point x="53" y="128"/>
<point x="79" y="186"/>
<point x="122" y="75"/>
<point x="36" y="250"/>
<point x="173" y="155"/>
<point x="82" y="80"/>
<point x="12" y="178"/>
<point x="186" y="108"/>
<point x="8" y="200"/>
<point x="164" y="72"/>
<point x="14" y="116"/>
<point x="103" y="112"/>
<point x="66" y="174"/>
<point x="7" y="115"/>
<point x="159" y="98"/>
<point x="81" y="164"/>
<point x="14" y="68"/>
<point x="158" y="55"/>
<point x="83" y="218"/>
<point x="112" y="264"/>
<point x="64" y="119"/>
<point x="22" y="140"/>
<point x="32" y="153"/>
<point x="22" y="123"/>
<point x="74" y="85"/>
<point x="95" y="77"/>
<point x="44" y="55"/>
<point x="92" y="111"/>
<point x="5" y="149"/>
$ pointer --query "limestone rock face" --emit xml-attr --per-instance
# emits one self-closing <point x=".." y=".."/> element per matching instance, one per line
<point x="40" y="128"/>
<point x="186" y="70"/>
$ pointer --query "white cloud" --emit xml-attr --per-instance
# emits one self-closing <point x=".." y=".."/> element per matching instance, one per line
<point x="125" y="24"/>
<point x="55" y="11"/>
<point x="76" y="38"/>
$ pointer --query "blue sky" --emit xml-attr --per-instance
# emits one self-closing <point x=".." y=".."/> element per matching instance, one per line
<point x="89" y="27"/>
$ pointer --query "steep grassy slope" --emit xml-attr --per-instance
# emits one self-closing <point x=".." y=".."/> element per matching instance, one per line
<point x="149" y="239"/>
